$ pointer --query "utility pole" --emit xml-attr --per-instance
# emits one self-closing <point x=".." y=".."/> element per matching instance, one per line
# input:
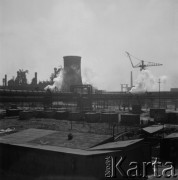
<point x="159" y="81"/>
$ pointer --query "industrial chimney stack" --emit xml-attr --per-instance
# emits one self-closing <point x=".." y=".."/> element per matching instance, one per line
<point x="72" y="72"/>
<point x="36" y="78"/>
<point x="4" y="80"/>
<point x="131" y="80"/>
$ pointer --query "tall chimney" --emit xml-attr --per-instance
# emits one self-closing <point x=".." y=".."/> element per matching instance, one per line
<point x="36" y="78"/>
<point x="5" y="80"/>
<point x="72" y="72"/>
<point x="131" y="80"/>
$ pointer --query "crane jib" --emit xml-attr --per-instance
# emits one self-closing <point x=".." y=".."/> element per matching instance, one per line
<point x="142" y="64"/>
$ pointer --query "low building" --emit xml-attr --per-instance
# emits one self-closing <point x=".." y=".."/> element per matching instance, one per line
<point x="169" y="148"/>
<point x="174" y="89"/>
<point x="46" y="153"/>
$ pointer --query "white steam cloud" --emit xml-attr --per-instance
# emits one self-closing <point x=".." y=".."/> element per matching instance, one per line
<point x="146" y="81"/>
<point x="57" y="85"/>
<point x="163" y="79"/>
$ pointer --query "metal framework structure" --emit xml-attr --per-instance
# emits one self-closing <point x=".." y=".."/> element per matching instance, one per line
<point x="142" y="65"/>
<point x="101" y="99"/>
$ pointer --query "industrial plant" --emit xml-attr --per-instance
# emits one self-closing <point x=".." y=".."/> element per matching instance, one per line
<point x="65" y="129"/>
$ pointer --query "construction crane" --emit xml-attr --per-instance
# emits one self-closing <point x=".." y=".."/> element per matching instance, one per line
<point x="142" y="65"/>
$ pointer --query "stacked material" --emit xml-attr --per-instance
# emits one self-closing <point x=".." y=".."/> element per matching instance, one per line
<point x="172" y="118"/>
<point x="61" y="115"/>
<point x="25" y="115"/>
<point x="136" y="109"/>
<point x="92" y="117"/>
<point x="130" y="119"/>
<point x="157" y="112"/>
<point x="12" y="112"/>
<point x="2" y="114"/>
<point x="75" y="116"/>
<point x="49" y="114"/>
<point x="144" y="121"/>
<point x="109" y="117"/>
<point x="61" y="109"/>
<point x="39" y="114"/>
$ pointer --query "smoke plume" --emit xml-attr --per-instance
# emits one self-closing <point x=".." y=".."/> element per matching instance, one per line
<point x="146" y="81"/>
<point x="163" y="79"/>
<point x="90" y="77"/>
<point x="57" y="85"/>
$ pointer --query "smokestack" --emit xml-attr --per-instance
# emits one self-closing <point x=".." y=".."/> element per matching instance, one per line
<point x="72" y="72"/>
<point x="36" y="78"/>
<point x="131" y="80"/>
<point x="5" y="80"/>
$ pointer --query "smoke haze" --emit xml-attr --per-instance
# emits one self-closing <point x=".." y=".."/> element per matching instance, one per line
<point x="146" y="81"/>
<point x="57" y="83"/>
<point x="36" y="34"/>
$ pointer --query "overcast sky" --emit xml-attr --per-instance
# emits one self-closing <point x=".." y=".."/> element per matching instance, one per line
<point x="36" y="34"/>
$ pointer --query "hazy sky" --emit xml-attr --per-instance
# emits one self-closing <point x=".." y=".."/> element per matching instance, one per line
<point x="36" y="34"/>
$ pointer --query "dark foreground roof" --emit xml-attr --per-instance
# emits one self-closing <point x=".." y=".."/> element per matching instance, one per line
<point x="41" y="137"/>
<point x="116" y="145"/>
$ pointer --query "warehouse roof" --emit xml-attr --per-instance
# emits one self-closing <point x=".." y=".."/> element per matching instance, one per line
<point x="116" y="145"/>
<point x="173" y="135"/>
<point x="153" y="129"/>
<point x="55" y="138"/>
<point x="64" y="149"/>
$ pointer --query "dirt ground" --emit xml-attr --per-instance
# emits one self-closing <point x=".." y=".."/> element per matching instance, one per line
<point x="59" y="125"/>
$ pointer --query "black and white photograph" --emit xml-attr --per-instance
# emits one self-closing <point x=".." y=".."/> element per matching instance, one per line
<point x="88" y="89"/>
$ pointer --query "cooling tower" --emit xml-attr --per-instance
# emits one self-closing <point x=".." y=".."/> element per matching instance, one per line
<point x="72" y="72"/>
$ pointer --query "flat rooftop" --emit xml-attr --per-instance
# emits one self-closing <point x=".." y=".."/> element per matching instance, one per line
<point x="153" y="129"/>
<point x="116" y="145"/>
<point x="172" y="136"/>
<point x="56" y="141"/>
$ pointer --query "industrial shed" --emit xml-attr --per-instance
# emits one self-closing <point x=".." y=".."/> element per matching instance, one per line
<point x="136" y="150"/>
<point x="153" y="134"/>
<point x="169" y="147"/>
<point x="45" y="153"/>
<point x="172" y="117"/>
<point x="152" y="130"/>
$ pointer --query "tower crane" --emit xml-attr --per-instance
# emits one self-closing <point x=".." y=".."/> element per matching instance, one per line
<point x="142" y="64"/>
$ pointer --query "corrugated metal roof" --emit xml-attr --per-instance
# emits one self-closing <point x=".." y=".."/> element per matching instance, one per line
<point x="153" y="129"/>
<point x="116" y="145"/>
